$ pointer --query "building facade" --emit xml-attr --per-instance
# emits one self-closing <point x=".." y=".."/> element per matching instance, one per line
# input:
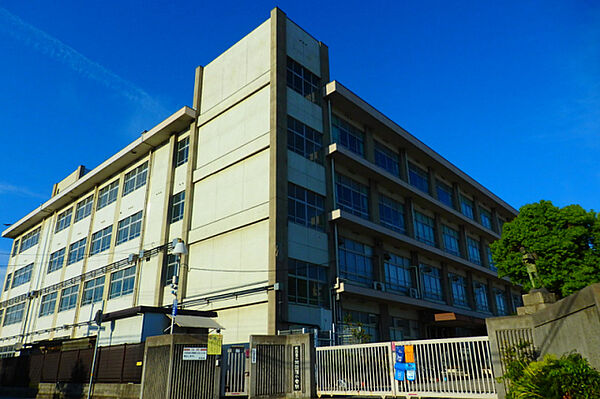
<point x="300" y="204"/>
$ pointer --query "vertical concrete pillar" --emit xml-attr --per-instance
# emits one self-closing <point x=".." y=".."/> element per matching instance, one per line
<point x="446" y="287"/>
<point x="431" y="182"/>
<point x="456" y="196"/>
<point x="369" y="145"/>
<point x="491" y="297"/>
<point x="483" y="244"/>
<point x="378" y="260"/>
<point x="385" y="322"/>
<point x="462" y="242"/>
<point x="403" y="164"/>
<point x="278" y="240"/>
<point x="470" y="292"/>
<point x="476" y="215"/>
<point x="415" y="274"/>
<point x="495" y="224"/>
<point x="409" y="217"/>
<point x="373" y="201"/>
<point x="439" y="239"/>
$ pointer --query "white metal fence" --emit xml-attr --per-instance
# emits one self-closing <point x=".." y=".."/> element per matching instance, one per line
<point x="444" y="368"/>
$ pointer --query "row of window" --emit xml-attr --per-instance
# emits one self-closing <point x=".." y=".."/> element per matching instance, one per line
<point x="121" y="283"/>
<point x="128" y="229"/>
<point x="133" y="180"/>
<point x="352" y="196"/>
<point x="356" y="264"/>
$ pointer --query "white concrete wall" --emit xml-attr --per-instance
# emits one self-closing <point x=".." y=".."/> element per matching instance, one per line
<point x="303" y="48"/>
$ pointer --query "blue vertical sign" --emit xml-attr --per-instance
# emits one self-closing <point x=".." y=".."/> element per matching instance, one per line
<point x="403" y="369"/>
<point x="174" y="311"/>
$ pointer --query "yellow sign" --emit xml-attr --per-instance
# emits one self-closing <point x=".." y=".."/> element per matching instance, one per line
<point x="214" y="344"/>
<point x="409" y="353"/>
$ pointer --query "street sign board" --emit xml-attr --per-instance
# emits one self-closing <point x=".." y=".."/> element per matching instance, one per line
<point x="193" y="353"/>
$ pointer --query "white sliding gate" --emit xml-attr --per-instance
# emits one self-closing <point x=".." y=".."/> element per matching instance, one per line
<point x="444" y="368"/>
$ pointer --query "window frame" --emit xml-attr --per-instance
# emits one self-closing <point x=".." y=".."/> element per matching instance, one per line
<point x="431" y="279"/>
<point x="424" y="228"/>
<point x="121" y="279"/>
<point x="298" y="133"/>
<point x="302" y="80"/>
<point x="83" y="208"/>
<point x="78" y="247"/>
<point x="22" y="276"/>
<point x="418" y="177"/>
<point x="310" y="278"/>
<point x="129" y="228"/>
<point x="450" y="235"/>
<point x="177" y="208"/>
<point x="63" y="220"/>
<point x="447" y="192"/>
<point x="48" y="304"/>
<point x="305" y="207"/>
<point x="30" y="240"/>
<point x="473" y="250"/>
<point x="397" y="271"/>
<point x="349" y="249"/>
<point x="387" y="159"/>
<point x="345" y="185"/>
<point x="391" y="210"/>
<point x="56" y="261"/>
<point x="69" y="296"/>
<point x="96" y="287"/>
<point x="135" y="179"/>
<point x="101" y="240"/>
<point x="107" y="195"/>
<point x="182" y="151"/>
<point x="347" y="135"/>
<point x="8" y="314"/>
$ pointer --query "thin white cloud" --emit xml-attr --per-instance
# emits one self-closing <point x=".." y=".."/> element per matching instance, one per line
<point x="61" y="52"/>
<point x="19" y="190"/>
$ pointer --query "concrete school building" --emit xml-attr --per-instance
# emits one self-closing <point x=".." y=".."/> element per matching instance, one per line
<point x="300" y="204"/>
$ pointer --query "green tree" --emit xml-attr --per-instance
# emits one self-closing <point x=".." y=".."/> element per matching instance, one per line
<point x="565" y="240"/>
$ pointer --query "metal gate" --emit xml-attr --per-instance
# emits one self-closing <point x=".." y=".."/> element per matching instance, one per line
<point x="443" y="368"/>
<point x="235" y="383"/>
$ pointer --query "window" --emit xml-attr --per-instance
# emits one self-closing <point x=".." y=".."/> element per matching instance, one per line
<point x="444" y="194"/>
<point x="466" y="207"/>
<point x="305" y="207"/>
<point x="366" y="321"/>
<point x="135" y="178"/>
<point x="15" y="248"/>
<point x="8" y="281"/>
<point x="93" y="290"/>
<point x="303" y="81"/>
<point x="68" y="298"/>
<point x="14" y="314"/>
<point x="347" y="135"/>
<point x="177" y="202"/>
<point x="517" y="301"/>
<point x="424" y="228"/>
<point x="386" y="159"/>
<point x="459" y="290"/>
<point x="352" y="196"/>
<point x="391" y="214"/>
<point x="48" y="304"/>
<point x="76" y="251"/>
<point x="450" y="237"/>
<point x="418" y="178"/>
<point x="432" y="282"/>
<point x="481" y="297"/>
<point x="22" y="276"/>
<point x="356" y="261"/>
<point x="63" y="220"/>
<point x="500" y="224"/>
<point x="486" y="218"/>
<point x="121" y="282"/>
<point x="402" y="329"/>
<point x="108" y="195"/>
<point x="84" y="208"/>
<point x="397" y="273"/>
<point x="129" y="228"/>
<point x="171" y="268"/>
<point x="473" y="250"/>
<point x="29" y="240"/>
<point x="307" y="283"/>
<point x="303" y="140"/>
<point x="182" y="152"/>
<point x="56" y="260"/>
<point x="500" y="301"/>
<point x="101" y="240"/>
<point x="488" y="252"/>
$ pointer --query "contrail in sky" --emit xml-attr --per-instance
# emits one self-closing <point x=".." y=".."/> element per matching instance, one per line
<point x="59" y="51"/>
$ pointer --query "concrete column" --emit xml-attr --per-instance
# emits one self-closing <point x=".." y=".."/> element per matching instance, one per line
<point x="409" y="217"/>
<point x="495" y="224"/>
<point x="491" y="297"/>
<point x="414" y="271"/>
<point x="439" y="239"/>
<point x="456" y="196"/>
<point x="403" y="164"/>
<point x="278" y="240"/>
<point x="462" y="242"/>
<point x="369" y="145"/>
<point x="373" y="201"/>
<point x="385" y="322"/>
<point x="509" y="299"/>
<point x="431" y="181"/>
<point x="470" y="292"/>
<point x="483" y="253"/>
<point x="378" y="259"/>
<point x="476" y="215"/>
<point x="446" y="287"/>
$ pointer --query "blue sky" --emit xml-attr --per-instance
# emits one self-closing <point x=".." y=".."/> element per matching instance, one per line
<point x="507" y="91"/>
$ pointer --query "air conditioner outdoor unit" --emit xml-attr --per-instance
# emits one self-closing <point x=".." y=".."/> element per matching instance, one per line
<point x="378" y="285"/>
<point x="413" y="293"/>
